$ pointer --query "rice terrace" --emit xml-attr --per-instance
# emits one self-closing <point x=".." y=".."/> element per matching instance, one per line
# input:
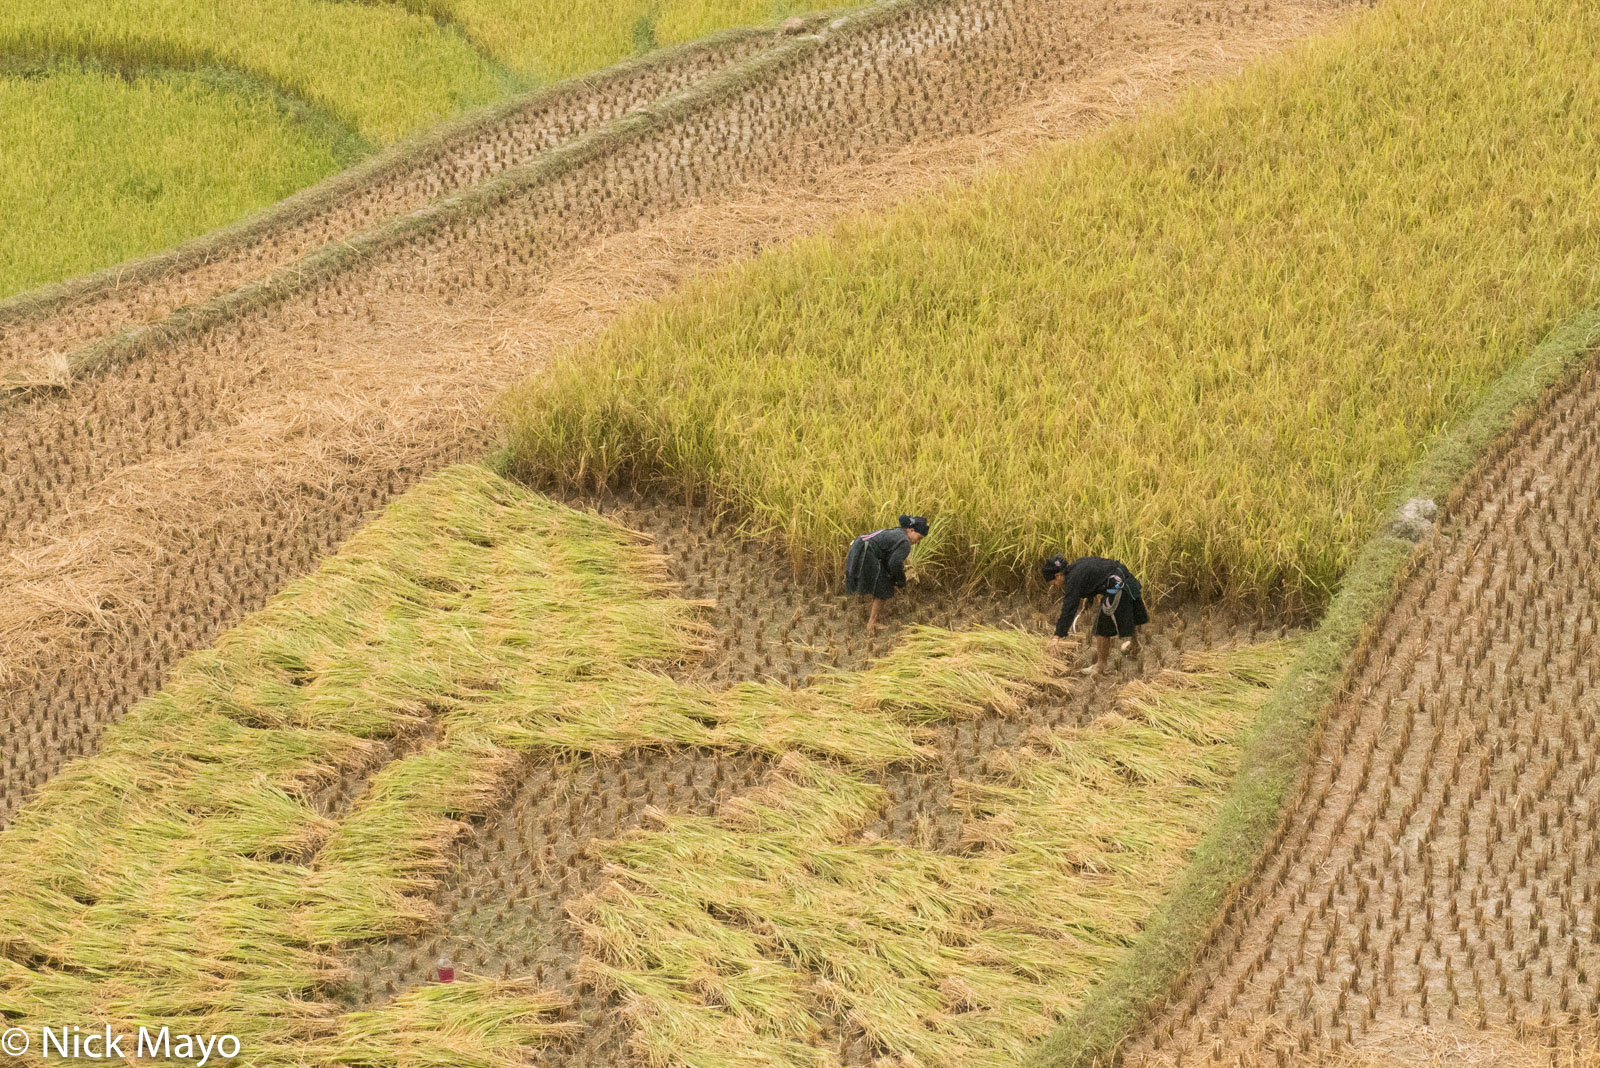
<point x="762" y="534"/>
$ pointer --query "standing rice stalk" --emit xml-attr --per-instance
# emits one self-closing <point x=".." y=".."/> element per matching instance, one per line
<point x="1207" y="343"/>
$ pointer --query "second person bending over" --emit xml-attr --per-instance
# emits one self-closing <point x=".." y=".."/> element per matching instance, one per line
<point x="876" y="564"/>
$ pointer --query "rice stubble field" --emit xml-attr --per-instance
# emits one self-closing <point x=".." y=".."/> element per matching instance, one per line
<point x="1435" y="885"/>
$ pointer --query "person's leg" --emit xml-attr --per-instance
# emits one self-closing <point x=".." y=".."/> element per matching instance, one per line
<point x="872" y="616"/>
<point x="1102" y="651"/>
<point x="1129" y="621"/>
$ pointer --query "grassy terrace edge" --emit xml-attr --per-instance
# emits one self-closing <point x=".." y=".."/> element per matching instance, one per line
<point x="1278" y="744"/>
<point x="387" y="162"/>
<point x="330" y="260"/>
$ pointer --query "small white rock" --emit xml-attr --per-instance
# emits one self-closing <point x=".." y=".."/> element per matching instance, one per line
<point x="1414" y="519"/>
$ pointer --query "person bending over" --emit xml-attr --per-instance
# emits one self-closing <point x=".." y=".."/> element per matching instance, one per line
<point x="1121" y="611"/>
<point x="876" y="564"/>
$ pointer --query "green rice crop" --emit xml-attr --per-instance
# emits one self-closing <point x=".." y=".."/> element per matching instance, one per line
<point x="217" y="110"/>
<point x="1208" y="342"/>
<point x="383" y="70"/>
<point x="99" y="168"/>
<point x="735" y="940"/>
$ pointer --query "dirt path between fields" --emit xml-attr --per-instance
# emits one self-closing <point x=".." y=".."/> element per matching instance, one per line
<point x="1436" y="899"/>
<point x="148" y="508"/>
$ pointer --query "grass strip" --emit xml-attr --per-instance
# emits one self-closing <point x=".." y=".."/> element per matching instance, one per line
<point x="1277" y="745"/>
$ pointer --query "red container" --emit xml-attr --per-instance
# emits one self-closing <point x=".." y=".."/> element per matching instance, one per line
<point x="447" y="971"/>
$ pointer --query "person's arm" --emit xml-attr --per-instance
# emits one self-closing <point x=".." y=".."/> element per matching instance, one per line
<point x="897" y="562"/>
<point x="1071" y="600"/>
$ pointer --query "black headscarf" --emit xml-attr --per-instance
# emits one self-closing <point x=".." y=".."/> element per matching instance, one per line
<point x="917" y="523"/>
<point x="1053" y="567"/>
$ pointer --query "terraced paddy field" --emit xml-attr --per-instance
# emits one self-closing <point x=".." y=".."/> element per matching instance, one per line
<point x="213" y="444"/>
<point x="41" y="331"/>
<point x="628" y="764"/>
